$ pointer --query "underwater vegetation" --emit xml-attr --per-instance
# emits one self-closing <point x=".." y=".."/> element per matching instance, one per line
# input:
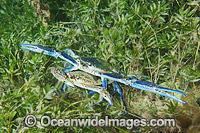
<point x="158" y="39"/>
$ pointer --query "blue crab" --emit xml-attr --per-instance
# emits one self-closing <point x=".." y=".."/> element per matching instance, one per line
<point x="82" y="80"/>
<point x="99" y="68"/>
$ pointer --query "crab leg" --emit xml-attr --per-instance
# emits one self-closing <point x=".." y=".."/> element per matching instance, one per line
<point x="117" y="88"/>
<point x="57" y="86"/>
<point x="100" y="99"/>
<point x="104" y="83"/>
<point x="65" y="86"/>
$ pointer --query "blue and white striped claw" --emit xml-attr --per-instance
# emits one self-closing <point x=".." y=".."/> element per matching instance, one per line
<point x="48" y="51"/>
<point x="39" y="49"/>
<point x="152" y="87"/>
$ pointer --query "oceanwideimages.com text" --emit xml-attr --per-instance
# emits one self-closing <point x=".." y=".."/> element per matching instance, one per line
<point x="46" y="121"/>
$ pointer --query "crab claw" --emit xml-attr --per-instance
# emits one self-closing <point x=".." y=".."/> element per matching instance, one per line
<point x="106" y="96"/>
<point x="48" y="51"/>
<point x="170" y="90"/>
<point x="40" y="49"/>
<point x="152" y="87"/>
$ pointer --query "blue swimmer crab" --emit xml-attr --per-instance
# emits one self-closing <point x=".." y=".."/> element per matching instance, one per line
<point x="82" y="80"/>
<point x="97" y="67"/>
